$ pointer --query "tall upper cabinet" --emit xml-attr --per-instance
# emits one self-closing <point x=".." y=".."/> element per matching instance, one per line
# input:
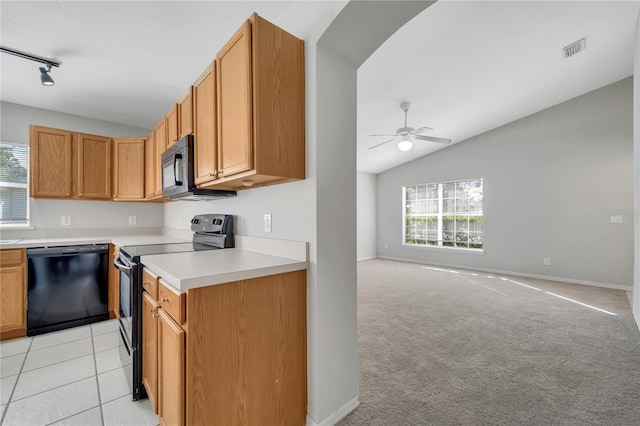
<point x="50" y="152"/>
<point x="260" y="108"/>
<point x="93" y="162"/>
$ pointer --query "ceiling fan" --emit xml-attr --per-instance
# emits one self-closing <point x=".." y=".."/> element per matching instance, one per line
<point x="406" y="134"/>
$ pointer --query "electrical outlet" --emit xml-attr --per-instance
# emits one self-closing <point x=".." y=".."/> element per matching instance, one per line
<point x="66" y="220"/>
<point x="546" y="261"/>
<point x="132" y="220"/>
<point x="267" y="222"/>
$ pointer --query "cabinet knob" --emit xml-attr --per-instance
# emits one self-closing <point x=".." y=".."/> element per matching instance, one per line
<point x="145" y="282"/>
<point x="152" y="310"/>
<point x="164" y="299"/>
<point x="212" y="174"/>
<point x="156" y="315"/>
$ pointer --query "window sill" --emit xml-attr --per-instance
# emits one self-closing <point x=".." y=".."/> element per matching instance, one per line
<point x="8" y="226"/>
<point x="446" y="248"/>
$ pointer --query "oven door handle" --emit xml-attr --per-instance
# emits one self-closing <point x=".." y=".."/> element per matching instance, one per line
<point x="122" y="267"/>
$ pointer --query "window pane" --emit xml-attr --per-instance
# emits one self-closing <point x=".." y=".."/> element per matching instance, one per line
<point x="13" y="163"/>
<point x="449" y="206"/>
<point x="462" y="189"/>
<point x="462" y="223"/>
<point x="432" y="206"/>
<point x="475" y="223"/>
<point x="411" y="193"/>
<point x="421" y="192"/>
<point x="462" y="205"/>
<point x="449" y="190"/>
<point x="433" y="191"/>
<point x="14" y="195"/>
<point x="432" y="223"/>
<point x="421" y="207"/>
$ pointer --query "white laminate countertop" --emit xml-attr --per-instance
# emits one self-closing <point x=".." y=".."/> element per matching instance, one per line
<point x="185" y="271"/>
<point x="118" y="240"/>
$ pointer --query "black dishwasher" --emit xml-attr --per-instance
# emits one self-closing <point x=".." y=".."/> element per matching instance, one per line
<point x="68" y="286"/>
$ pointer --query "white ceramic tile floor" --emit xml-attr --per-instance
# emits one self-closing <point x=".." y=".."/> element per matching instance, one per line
<point x="70" y="377"/>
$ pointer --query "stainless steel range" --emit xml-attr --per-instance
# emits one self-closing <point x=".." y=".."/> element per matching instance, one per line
<point x="211" y="232"/>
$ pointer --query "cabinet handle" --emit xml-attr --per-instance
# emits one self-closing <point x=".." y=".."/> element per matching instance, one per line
<point x="212" y="174"/>
<point x="164" y="299"/>
<point x="152" y="310"/>
<point x="145" y="282"/>
<point x="220" y="173"/>
<point x="156" y="315"/>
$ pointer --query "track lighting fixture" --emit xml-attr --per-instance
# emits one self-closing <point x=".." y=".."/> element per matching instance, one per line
<point x="45" y="78"/>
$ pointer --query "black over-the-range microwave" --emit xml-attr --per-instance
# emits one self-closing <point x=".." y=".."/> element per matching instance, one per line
<point x="178" y="175"/>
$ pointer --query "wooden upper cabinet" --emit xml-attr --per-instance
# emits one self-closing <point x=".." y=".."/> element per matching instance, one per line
<point x="261" y="108"/>
<point x="204" y="132"/>
<point x="235" y="141"/>
<point x="128" y="169"/>
<point x="185" y="114"/>
<point x="150" y="166"/>
<point x="50" y="162"/>
<point x="171" y="120"/>
<point x="94" y="166"/>
<point x="160" y="137"/>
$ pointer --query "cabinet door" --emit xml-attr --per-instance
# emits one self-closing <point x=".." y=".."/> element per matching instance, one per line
<point x="128" y="169"/>
<point x="235" y="141"/>
<point x="150" y="348"/>
<point x="204" y="131"/>
<point x="160" y="136"/>
<point x="150" y="167"/>
<point x="94" y="166"/>
<point x="13" y="322"/>
<point x="172" y="125"/>
<point x="171" y="369"/>
<point x="185" y="114"/>
<point x="50" y="162"/>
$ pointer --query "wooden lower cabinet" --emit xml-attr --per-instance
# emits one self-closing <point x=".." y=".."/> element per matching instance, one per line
<point x="239" y="358"/>
<point x="13" y="293"/>
<point x="150" y="348"/>
<point x="171" y="366"/>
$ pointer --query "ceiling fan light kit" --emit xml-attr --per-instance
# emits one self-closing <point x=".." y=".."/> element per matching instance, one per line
<point x="408" y="134"/>
<point x="405" y="145"/>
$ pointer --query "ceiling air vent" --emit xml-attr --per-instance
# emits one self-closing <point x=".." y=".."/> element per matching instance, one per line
<point x="573" y="48"/>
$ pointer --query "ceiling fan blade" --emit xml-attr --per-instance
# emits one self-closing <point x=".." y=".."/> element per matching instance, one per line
<point x="381" y="143"/>
<point x="421" y="130"/>
<point x="432" y="139"/>
<point x="387" y="135"/>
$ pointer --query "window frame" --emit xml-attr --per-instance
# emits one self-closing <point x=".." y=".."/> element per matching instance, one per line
<point x="440" y="215"/>
<point x="27" y="186"/>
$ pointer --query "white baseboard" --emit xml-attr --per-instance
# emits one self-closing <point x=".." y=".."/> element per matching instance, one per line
<point x="361" y="259"/>
<point x="337" y="415"/>
<point x="517" y="274"/>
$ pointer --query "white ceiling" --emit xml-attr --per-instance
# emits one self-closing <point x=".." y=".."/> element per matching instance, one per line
<point x="467" y="67"/>
<point x="471" y="66"/>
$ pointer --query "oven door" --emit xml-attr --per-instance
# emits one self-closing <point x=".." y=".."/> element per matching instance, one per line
<point x="127" y="272"/>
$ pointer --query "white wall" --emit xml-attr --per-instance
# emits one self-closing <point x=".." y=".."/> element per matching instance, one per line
<point x="636" y="155"/>
<point x="551" y="181"/>
<point x="45" y="213"/>
<point x="366" y="218"/>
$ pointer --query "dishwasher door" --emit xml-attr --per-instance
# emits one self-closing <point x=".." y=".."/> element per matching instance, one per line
<point x="68" y="287"/>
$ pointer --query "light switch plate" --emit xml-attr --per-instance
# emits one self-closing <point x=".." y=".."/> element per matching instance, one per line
<point x="267" y="222"/>
<point x="615" y="218"/>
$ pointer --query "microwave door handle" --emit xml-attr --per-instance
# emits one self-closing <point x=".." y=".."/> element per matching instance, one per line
<point x="175" y="169"/>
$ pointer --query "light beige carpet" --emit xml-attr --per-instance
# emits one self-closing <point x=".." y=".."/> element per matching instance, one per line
<point x="454" y="347"/>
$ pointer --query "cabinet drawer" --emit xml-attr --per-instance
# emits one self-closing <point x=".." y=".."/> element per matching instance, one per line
<point x="172" y="301"/>
<point x="11" y="257"/>
<point x="150" y="283"/>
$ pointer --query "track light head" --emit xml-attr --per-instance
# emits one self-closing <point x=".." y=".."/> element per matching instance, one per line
<point x="45" y="78"/>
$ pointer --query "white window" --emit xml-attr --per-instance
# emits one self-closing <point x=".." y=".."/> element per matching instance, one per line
<point x="446" y="214"/>
<point x="14" y="188"/>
